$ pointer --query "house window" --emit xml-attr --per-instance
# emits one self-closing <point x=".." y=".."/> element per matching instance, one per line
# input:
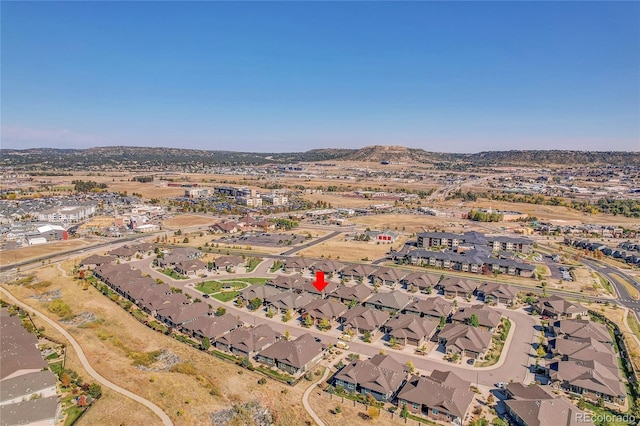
<point x="351" y="386"/>
<point x="434" y="411"/>
<point x="415" y="405"/>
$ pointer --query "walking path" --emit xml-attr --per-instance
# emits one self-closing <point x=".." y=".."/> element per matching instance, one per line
<point x="305" y="398"/>
<point x="85" y="363"/>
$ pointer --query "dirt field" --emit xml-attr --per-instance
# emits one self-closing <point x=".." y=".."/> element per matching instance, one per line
<point x="187" y="220"/>
<point x="325" y="409"/>
<point x="337" y="247"/>
<point x="32" y="252"/>
<point x="110" y="341"/>
<point x="410" y="223"/>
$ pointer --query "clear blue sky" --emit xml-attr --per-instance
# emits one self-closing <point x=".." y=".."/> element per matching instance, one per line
<point x="270" y="76"/>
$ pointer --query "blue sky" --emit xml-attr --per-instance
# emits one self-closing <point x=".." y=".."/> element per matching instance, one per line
<point x="292" y="76"/>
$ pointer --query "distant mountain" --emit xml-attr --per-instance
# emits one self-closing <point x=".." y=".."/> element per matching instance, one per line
<point x="124" y="157"/>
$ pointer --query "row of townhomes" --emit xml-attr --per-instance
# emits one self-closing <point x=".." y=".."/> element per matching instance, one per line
<point x="469" y="252"/>
<point x="581" y="358"/>
<point x="626" y="252"/>
<point x="361" y="311"/>
<point x="28" y="389"/>
<point x="196" y="319"/>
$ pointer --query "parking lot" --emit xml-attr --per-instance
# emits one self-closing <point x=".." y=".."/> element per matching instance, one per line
<point x="264" y="239"/>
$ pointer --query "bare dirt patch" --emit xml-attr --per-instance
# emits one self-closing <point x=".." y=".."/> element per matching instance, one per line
<point x="33" y="252"/>
<point x="186" y="220"/>
<point x="338" y="248"/>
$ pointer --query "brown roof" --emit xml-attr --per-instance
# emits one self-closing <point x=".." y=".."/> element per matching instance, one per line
<point x="213" y="326"/>
<point x="498" y="290"/>
<point x="411" y="327"/>
<point x="296" y="353"/>
<point x="392" y="299"/>
<point x="547" y="411"/>
<point x="225" y="261"/>
<point x="260" y="291"/>
<point x="518" y="390"/>
<point x="487" y="317"/>
<point x="358" y="270"/>
<point x="556" y="305"/>
<point x="580" y="329"/>
<point x="328" y="266"/>
<point x="298" y="262"/>
<point x="442" y="396"/>
<point x="465" y="337"/>
<point x="460" y="285"/>
<point x="18" y="347"/>
<point x="590" y="375"/>
<point x="324" y="309"/>
<point x="290" y="300"/>
<point x="96" y="259"/>
<point x="191" y="265"/>
<point x="359" y="292"/>
<point x="26" y="384"/>
<point x="32" y="411"/>
<point x="433" y="306"/>
<point x="181" y="314"/>
<point x="288" y="282"/>
<point x="421" y="279"/>
<point x="365" y="318"/>
<point x="388" y="274"/>
<point x="250" y="339"/>
<point x="382" y="374"/>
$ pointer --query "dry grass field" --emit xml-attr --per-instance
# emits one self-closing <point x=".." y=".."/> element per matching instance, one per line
<point x="116" y="336"/>
<point x="410" y="223"/>
<point x="337" y="247"/>
<point x="187" y="220"/>
<point x="35" y="251"/>
<point x="325" y="409"/>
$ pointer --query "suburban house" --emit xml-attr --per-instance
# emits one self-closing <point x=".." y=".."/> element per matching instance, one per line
<point x="95" y="260"/>
<point x="191" y="268"/>
<point x="387" y="236"/>
<point x="464" y="340"/>
<point x="255" y="291"/>
<point x="297" y="264"/>
<point x="433" y="307"/>
<point x="411" y="329"/>
<point x="224" y="227"/>
<point x="289" y="300"/>
<point x="39" y="411"/>
<point x="362" y="319"/>
<point x="380" y="377"/>
<point x="327" y="266"/>
<point x="457" y="287"/>
<point x="246" y="342"/>
<point x="123" y="253"/>
<point x="228" y="263"/>
<point x="558" y="308"/>
<point x="590" y="380"/>
<point x="488" y="318"/>
<point x="287" y="282"/>
<point x="212" y="327"/>
<point x="37" y="384"/>
<point x="307" y="285"/>
<point x="421" y="280"/>
<point x="442" y="396"/>
<point x="387" y="276"/>
<point x="324" y="309"/>
<point x="177" y="316"/>
<point x="497" y="293"/>
<point x="580" y="329"/>
<point x="356" y="271"/>
<point x="346" y="294"/>
<point x="293" y="356"/>
<point x="533" y="405"/>
<point x="393" y="301"/>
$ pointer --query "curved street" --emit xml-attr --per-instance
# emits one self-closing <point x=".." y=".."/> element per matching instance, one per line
<point x="87" y="366"/>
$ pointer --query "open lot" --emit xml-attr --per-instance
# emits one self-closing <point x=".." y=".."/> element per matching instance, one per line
<point x="344" y="249"/>
<point x="187" y="220"/>
<point x="35" y="251"/>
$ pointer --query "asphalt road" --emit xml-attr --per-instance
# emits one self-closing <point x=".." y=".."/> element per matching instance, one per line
<point x="311" y="243"/>
<point x="624" y="298"/>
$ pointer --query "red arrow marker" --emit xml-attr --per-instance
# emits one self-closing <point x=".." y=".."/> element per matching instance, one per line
<point x="320" y="283"/>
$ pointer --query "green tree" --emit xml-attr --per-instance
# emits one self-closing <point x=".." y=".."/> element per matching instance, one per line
<point x="405" y="411"/>
<point x="473" y="320"/>
<point x="206" y="344"/>
<point x="324" y="324"/>
<point x="221" y="311"/>
<point x="443" y="322"/>
<point x="307" y="321"/>
<point x="410" y="366"/>
<point x="255" y="303"/>
<point x="95" y="390"/>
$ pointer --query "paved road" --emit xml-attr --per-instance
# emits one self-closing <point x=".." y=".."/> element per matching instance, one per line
<point x="305" y="398"/>
<point x="87" y="366"/>
<point x="311" y="243"/>
<point x="624" y="298"/>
